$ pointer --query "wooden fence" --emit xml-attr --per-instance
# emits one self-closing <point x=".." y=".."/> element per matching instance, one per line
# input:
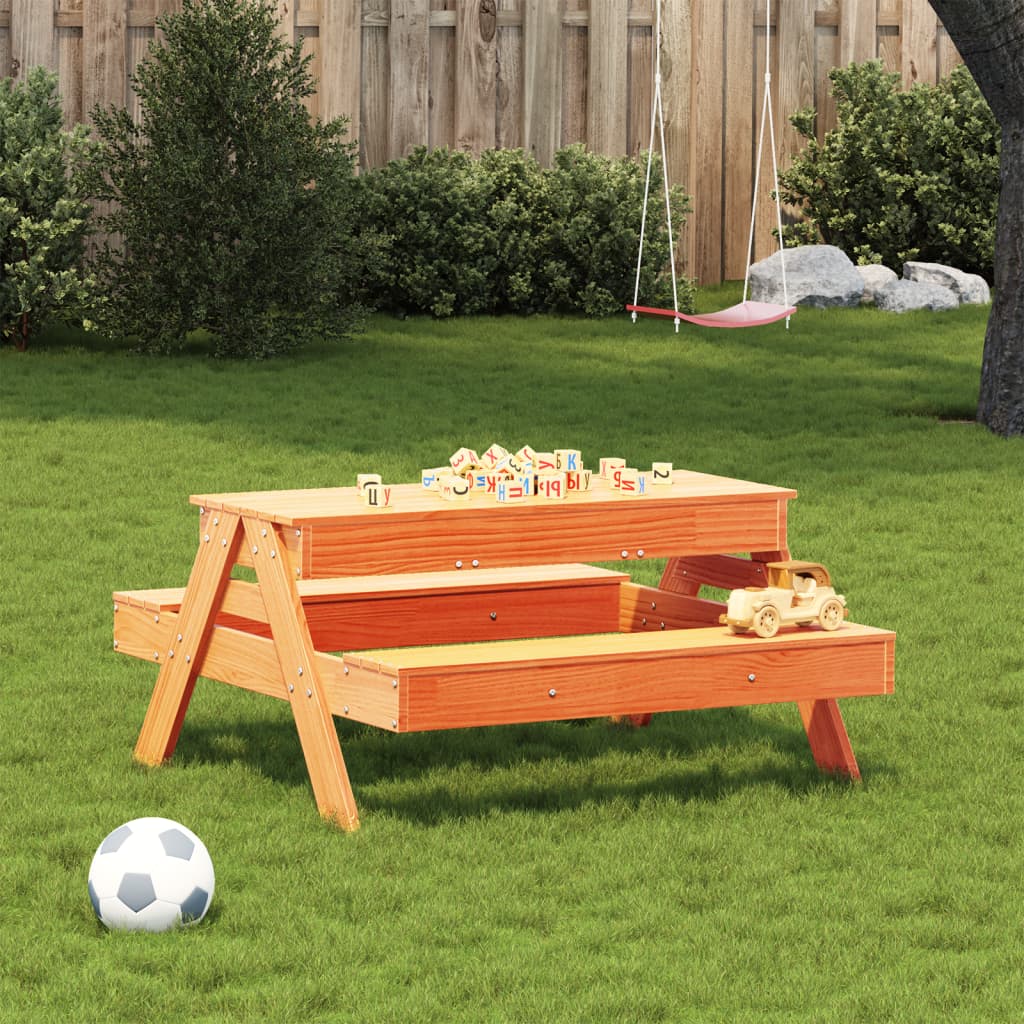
<point x="537" y="74"/>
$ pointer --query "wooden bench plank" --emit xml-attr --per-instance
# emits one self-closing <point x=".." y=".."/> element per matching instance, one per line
<point x="622" y="674"/>
<point x="426" y="608"/>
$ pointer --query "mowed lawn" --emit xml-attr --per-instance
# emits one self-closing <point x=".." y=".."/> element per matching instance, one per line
<point x="697" y="870"/>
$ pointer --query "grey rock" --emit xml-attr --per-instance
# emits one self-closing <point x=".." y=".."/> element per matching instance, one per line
<point x="816" y="275"/>
<point x="904" y="296"/>
<point x="967" y="287"/>
<point x="875" y="278"/>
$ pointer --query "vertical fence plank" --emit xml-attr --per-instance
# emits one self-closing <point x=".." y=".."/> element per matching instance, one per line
<point x="69" y="64"/>
<point x="575" y="73"/>
<point x="508" y="127"/>
<point x="857" y="31"/>
<point x="409" y="57"/>
<point x="542" y="78"/>
<point x="374" y="101"/>
<point x="640" y="75"/>
<point x="104" y="54"/>
<point x="796" y="88"/>
<point x="33" y="36"/>
<point x="607" y="85"/>
<point x="5" y="38"/>
<point x="677" y="93"/>
<point x="709" y="53"/>
<point x="163" y="7"/>
<point x="341" y="59"/>
<point x="741" y="88"/>
<point x="476" y="83"/>
<point x="285" y="10"/>
<point x="949" y="55"/>
<point x="441" y="78"/>
<point x="917" y="43"/>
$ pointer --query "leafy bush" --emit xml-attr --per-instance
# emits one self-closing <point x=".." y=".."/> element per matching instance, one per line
<point x="904" y="176"/>
<point x="502" y="235"/>
<point x="44" y="218"/>
<point x="233" y="209"/>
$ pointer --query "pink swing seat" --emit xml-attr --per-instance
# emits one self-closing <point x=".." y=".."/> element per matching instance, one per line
<point x="743" y="314"/>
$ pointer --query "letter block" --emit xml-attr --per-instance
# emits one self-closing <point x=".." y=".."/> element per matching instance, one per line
<point x="544" y="462"/>
<point x="552" y="486"/>
<point x="464" y="461"/>
<point x="510" y="491"/>
<point x="661" y="473"/>
<point x="362" y="479"/>
<point x="568" y="460"/>
<point x="492" y="458"/>
<point x="431" y="477"/>
<point x="454" y="488"/>
<point x="581" y="480"/>
<point x="376" y="495"/>
<point x="608" y="467"/>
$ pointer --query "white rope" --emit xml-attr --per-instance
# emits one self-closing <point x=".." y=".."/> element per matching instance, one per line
<point x="657" y="114"/>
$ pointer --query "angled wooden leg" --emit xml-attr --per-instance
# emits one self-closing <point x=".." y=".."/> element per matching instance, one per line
<point x="826" y="733"/>
<point x="179" y="666"/>
<point x="319" y="739"/>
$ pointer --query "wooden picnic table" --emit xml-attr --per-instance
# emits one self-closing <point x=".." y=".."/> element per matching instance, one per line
<point x="430" y="615"/>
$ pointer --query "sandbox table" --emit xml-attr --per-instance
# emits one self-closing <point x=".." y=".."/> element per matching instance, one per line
<point x="434" y="615"/>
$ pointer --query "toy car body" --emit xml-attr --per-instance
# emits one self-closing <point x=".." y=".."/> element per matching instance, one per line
<point x="798" y="593"/>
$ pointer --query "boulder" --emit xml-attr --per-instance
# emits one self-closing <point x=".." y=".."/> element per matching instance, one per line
<point x="966" y="287"/>
<point x="816" y="275"/>
<point x="903" y="296"/>
<point x="875" y="278"/>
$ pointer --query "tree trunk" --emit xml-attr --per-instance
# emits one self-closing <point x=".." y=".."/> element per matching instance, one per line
<point x="990" y="37"/>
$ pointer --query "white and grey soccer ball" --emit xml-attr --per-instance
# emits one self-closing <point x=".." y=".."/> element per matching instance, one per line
<point x="151" y="874"/>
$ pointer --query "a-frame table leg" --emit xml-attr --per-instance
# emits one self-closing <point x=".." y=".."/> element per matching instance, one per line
<point x="179" y="666"/>
<point x="823" y="722"/>
<point x="317" y="734"/>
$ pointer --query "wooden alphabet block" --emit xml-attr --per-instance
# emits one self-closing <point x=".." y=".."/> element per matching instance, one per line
<point x="526" y="454"/>
<point x="362" y="479"/>
<point x="581" y="480"/>
<point x="492" y="458"/>
<point x="552" y="486"/>
<point x="608" y="467"/>
<point x="464" y="461"/>
<point x="454" y="488"/>
<point x="661" y="473"/>
<point x="376" y="495"/>
<point x="568" y="460"/>
<point x="544" y="462"/>
<point x="430" y="477"/>
<point x="631" y="481"/>
<point x="510" y="490"/>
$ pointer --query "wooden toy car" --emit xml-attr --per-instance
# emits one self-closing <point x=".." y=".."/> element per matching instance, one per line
<point x="798" y="593"/>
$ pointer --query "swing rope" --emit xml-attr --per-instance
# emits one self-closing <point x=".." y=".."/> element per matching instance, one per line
<point x="747" y="313"/>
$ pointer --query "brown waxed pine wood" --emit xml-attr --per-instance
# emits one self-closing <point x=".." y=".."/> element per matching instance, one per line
<point x="620" y="674"/>
<point x="634" y="650"/>
<point x="299" y="667"/>
<point x="177" y="677"/>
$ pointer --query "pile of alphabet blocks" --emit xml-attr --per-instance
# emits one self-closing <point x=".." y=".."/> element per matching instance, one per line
<point x="509" y="477"/>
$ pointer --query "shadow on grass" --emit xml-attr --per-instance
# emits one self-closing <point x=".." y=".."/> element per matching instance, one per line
<point x="431" y="778"/>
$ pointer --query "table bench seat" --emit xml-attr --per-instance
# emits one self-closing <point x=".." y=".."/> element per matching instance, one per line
<point x="617" y="674"/>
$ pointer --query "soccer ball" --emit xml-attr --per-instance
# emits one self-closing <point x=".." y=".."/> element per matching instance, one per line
<point x="150" y="875"/>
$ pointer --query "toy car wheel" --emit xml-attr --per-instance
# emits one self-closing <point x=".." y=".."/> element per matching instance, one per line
<point x="831" y="615"/>
<point x="767" y="621"/>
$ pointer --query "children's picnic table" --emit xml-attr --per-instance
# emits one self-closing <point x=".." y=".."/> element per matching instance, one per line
<point x="429" y="614"/>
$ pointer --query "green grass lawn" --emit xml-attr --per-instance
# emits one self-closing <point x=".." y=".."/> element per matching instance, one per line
<point x="697" y="870"/>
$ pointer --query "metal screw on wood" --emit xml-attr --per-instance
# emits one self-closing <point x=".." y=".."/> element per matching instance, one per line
<point x="300" y="670"/>
<point x="206" y="538"/>
<point x="255" y="550"/>
<point x="273" y="554"/>
<point x="458" y="564"/>
<point x="625" y="554"/>
<point x="476" y="563"/>
<point x="345" y="709"/>
<point x="291" y="687"/>
<point x="640" y="553"/>
<point x="751" y="678"/>
<point x="309" y="693"/>
<point x="394" y="684"/>
<point x="494" y="616"/>
<point x="552" y="692"/>
<point x="394" y="724"/>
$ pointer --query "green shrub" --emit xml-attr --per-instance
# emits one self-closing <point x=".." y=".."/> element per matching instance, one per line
<point x="233" y="209"/>
<point x="908" y="175"/>
<point x="499" y="234"/>
<point x="44" y="218"/>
